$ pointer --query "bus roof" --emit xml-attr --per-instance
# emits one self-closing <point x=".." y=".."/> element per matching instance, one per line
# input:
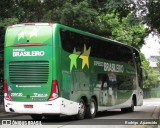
<point x="94" y="35"/>
<point x="74" y="30"/>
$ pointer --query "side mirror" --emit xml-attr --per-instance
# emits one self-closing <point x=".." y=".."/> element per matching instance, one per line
<point x="144" y="73"/>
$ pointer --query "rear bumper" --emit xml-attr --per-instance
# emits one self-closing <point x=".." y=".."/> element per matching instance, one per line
<point x="57" y="106"/>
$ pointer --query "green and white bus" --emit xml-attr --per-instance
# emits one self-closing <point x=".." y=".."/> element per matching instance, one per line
<point x="52" y="69"/>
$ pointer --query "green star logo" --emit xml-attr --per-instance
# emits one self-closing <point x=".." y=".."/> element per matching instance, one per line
<point x="33" y="33"/>
<point x="21" y="35"/>
<point x="73" y="57"/>
<point x="85" y="57"/>
<point x="76" y="55"/>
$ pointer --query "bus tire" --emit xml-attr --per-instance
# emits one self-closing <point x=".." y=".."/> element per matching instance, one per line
<point x="91" y="109"/>
<point x="123" y="110"/>
<point x="82" y="110"/>
<point x="130" y="109"/>
<point x="36" y="116"/>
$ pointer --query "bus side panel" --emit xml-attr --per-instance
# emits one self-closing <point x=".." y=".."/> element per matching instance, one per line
<point x="110" y="65"/>
<point x="75" y="81"/>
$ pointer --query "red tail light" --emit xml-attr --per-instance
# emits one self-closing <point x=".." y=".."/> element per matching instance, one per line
<point x="54" y="91"/>
<point x="29" y="44"/>
<point x="6" y="95"/>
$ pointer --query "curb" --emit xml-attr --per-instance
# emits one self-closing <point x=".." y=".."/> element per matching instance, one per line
<point x="6" y="115"/>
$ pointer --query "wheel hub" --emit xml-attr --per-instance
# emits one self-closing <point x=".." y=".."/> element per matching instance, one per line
<point x="92" y="107"/>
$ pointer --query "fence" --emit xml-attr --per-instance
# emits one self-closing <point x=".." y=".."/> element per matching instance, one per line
<point x="151" y="93"/>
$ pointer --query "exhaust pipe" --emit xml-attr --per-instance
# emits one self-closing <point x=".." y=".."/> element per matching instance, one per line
<point x="11" y="110"/>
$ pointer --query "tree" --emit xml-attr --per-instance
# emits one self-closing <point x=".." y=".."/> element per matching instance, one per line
<point x="148" y="11"/>
<point x="120" y="7"/>
<point x="7" y="18"/>
<point x="115" y="19"/>
<point x="127" y="30"/>
<point x="158" y="64"/>
<point x="80" y="16"/>
<point x="7" y="8"/>
<point x="30" y="10"/>
<point x="152" y="75"/>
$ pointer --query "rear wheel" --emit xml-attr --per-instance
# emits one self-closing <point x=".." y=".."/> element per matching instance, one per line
<point x="82" y="110"/>
<point x="130" y="109"/>
<point x="92" y="109"/>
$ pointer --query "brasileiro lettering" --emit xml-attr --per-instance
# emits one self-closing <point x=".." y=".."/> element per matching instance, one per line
<point x="113" y="67"/>
<point x="22" y="52"/>
<point x="110" y="67"/>
<point x="28" y="53"/>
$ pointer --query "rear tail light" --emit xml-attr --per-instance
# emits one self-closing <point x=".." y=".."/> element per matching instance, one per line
<point x="6" y="95"/>
<point x="29" y="44"/>
<point x="54" y="91"/>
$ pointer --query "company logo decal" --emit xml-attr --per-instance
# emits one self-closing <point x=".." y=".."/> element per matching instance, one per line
<point x="23" y="52"/>
<point x="110" y="67"/>
<point x="32" y="33"/>
<point x="73" y="57"/>
<point x="84" y="56"/>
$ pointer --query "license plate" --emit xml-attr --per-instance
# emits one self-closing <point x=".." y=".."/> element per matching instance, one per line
<point x="28" y="106"/>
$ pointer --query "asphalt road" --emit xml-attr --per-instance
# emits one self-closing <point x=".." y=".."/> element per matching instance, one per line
<point x="148" y="113"/>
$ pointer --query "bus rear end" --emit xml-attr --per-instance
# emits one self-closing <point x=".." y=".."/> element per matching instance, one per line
<point x="29" y="84"/>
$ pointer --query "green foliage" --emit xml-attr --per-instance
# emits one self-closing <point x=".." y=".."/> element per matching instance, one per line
<point x="127" y="30"/>
<point x="152" y="80"/>
<point x="120" y="7"/>
<point x="115" y="19"/>
<point x="112" y="19"/>
<point x="7" y="10"/>
<point x="80" y="16"/>
<point x="149" y="10"/>
<point x="8" y="21"/>
<point x="29" y="10"/>
<point x="158" y="64"/>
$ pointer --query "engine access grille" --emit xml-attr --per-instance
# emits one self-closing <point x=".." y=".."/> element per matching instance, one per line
<point x="28" y="72"/>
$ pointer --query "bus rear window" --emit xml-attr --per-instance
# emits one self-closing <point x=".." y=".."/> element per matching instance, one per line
<point x="28" y="34"/>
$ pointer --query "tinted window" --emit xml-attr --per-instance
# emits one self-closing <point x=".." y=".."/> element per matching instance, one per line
<point x="99" y="48"/>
